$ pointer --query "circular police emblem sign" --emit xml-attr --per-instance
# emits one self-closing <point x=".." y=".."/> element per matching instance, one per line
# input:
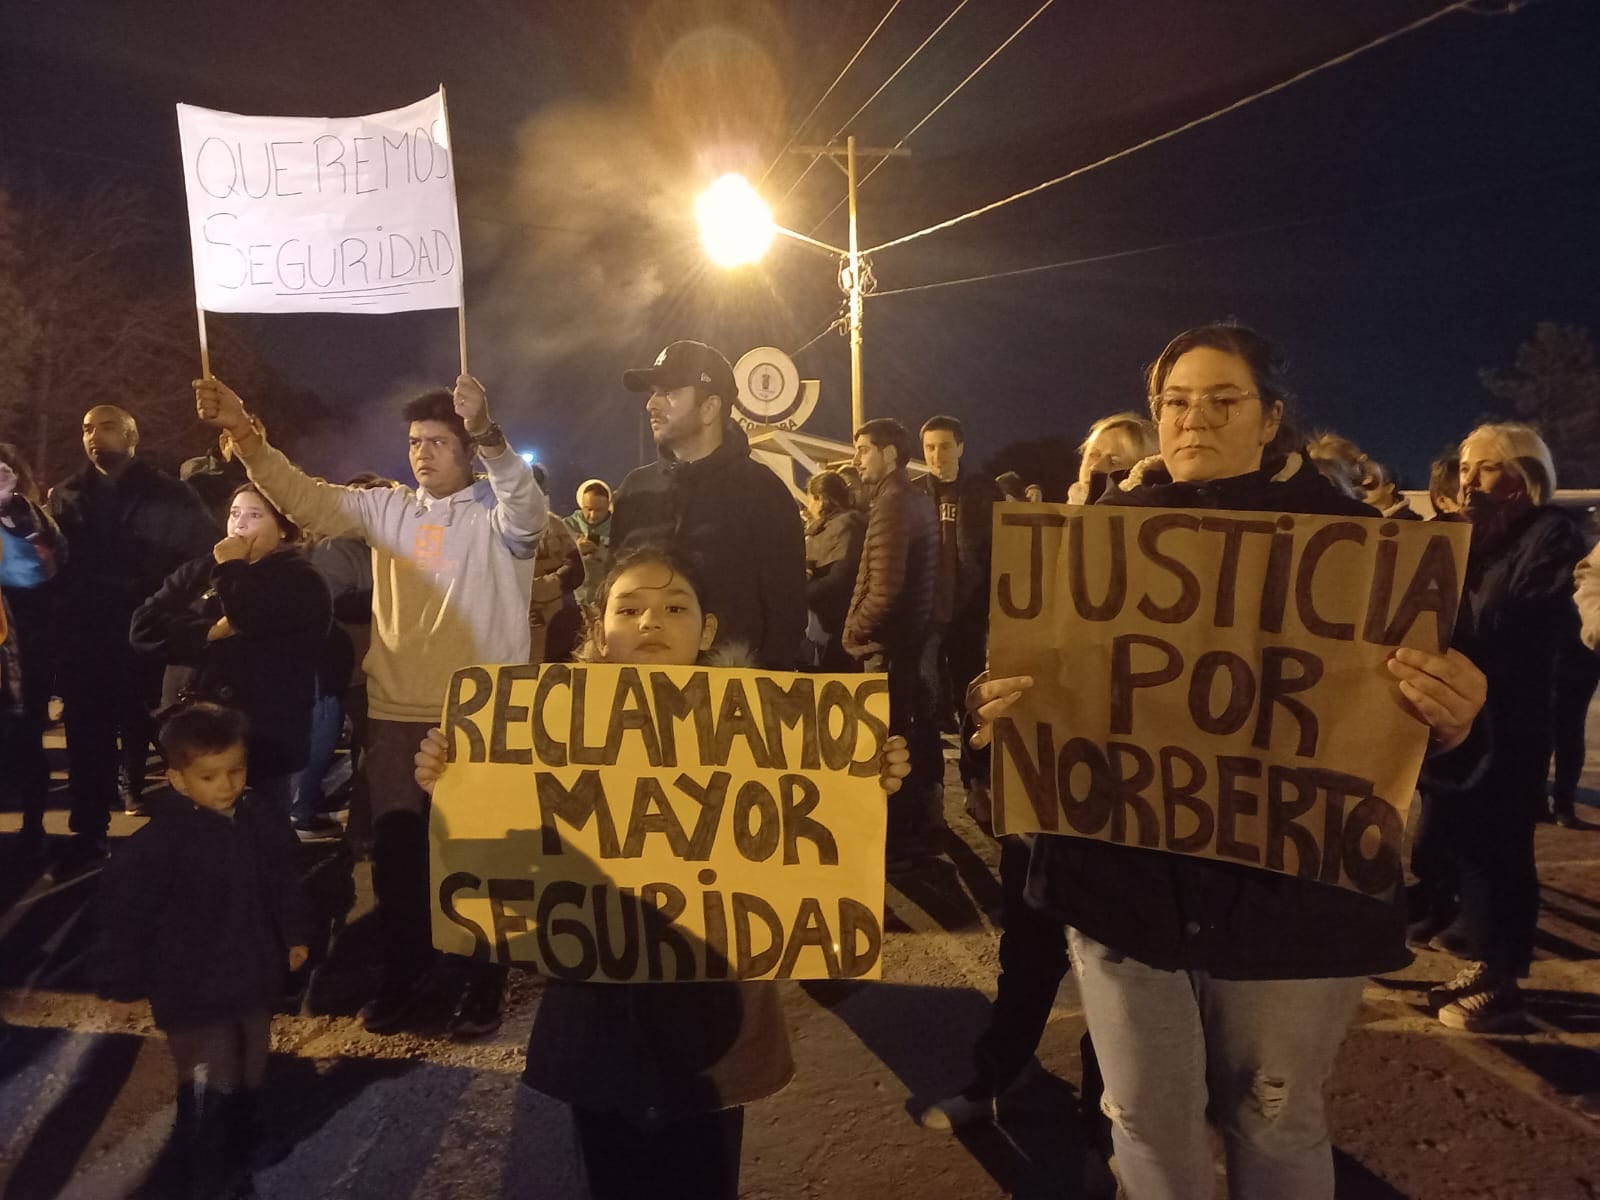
<point x="769" y="389"/>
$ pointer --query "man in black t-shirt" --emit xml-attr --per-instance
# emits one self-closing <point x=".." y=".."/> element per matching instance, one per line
<point x="965" y="503"/>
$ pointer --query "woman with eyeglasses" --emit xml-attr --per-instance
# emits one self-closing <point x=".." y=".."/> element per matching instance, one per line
<point x="1210" y="986"/>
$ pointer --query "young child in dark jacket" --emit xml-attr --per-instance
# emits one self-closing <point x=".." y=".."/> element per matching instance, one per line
<point x="202" y="912"/>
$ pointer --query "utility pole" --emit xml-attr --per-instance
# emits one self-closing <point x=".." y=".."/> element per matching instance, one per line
<point x="857" y="413"/>
<point x="852" y="276"/>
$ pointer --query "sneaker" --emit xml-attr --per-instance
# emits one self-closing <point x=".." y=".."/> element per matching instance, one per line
<point x="1452" y="939"/>
<point x="388" y="1010"/>
<point x="129" y="791"/>
<point x="1496" y="1004"/>
<point x="317" y="828"/>
<point x="1466" y="982"/>
<point x="478" y="1014"/>
<point x="336" y="806"/>
<point x="1421" y="932"/>
<point x="956" y="1112"/>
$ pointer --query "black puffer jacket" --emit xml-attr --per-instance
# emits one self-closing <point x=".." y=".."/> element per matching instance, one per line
<point x="892" y="605"/>
<point x="833" y="553"/>
<point x="280" y="612"/>
<point x="198" y="911"/>
<point x="740" y="521"/>
<point x="1177" y="913"/>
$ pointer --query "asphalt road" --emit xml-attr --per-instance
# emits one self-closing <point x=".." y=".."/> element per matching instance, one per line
<point x="1416" y="1110"/>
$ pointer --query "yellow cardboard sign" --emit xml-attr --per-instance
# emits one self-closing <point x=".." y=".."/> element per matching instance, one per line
<point x="1214" y="683"/>
<point x="617" y="824"/>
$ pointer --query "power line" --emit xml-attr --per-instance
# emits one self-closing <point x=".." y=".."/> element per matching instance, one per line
<point x="806" y="119"/>
<point x="838" y="323"/>
<point x="1226" y="109"/>
<point x="930" y="115"/>
<point x="1275" y="227"/>
<point x="960" y="4"/>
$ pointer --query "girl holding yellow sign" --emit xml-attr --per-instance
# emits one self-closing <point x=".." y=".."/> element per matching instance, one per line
<point x="657" y="1074"/>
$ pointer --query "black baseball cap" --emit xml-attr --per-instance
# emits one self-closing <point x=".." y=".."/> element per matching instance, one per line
<point x="682" y="364"/>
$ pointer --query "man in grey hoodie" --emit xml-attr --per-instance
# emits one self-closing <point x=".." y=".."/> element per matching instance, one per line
<point x="453" y="574"/>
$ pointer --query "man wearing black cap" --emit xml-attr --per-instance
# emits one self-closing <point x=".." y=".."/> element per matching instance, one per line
<point x="709" y="495"/>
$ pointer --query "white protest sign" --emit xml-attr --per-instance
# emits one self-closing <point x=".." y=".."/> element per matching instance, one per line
<point x="321" y="214"/>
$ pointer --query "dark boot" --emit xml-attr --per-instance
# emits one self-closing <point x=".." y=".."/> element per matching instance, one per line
<point x="203" y="1141"/>
<point x="478" y="1013"/>
<point x="242" y="1139"/>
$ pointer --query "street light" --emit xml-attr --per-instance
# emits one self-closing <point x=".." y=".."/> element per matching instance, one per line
<point x="736" y="225"/>
<point x="736" y="228"/>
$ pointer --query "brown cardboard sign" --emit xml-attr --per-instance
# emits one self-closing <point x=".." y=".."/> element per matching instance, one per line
<point x="1214" y="683"/>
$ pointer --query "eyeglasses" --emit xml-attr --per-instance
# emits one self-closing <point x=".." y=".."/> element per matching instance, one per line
<point x="1177" y="407"/>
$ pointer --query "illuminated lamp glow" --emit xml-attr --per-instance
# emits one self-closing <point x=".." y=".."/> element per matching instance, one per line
<point x="735" y="223"/>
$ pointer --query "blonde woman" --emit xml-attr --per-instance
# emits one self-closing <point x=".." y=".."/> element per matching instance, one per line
<point x="1516" y="607"/>
<point x="1115" y="443"/>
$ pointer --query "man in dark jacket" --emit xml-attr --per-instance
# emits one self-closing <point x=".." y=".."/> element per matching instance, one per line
<point x="129" y="526"/>
<point x="965" y="504"/>
<point x="890" y="623"/>
<point x="708" y="494"/>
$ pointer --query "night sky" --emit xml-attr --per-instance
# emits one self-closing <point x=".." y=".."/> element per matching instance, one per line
<point x="1396" y="222"/>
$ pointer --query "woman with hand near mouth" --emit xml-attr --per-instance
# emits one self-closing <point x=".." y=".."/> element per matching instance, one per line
<point x="252" y="617"/>
<point x="1516" y="609"/>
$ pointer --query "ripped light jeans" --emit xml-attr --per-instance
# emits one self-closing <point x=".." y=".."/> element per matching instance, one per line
<point x="1258" y="1051"/>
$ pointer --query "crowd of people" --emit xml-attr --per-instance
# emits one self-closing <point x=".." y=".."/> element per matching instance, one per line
<point x="253" y="614"/>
